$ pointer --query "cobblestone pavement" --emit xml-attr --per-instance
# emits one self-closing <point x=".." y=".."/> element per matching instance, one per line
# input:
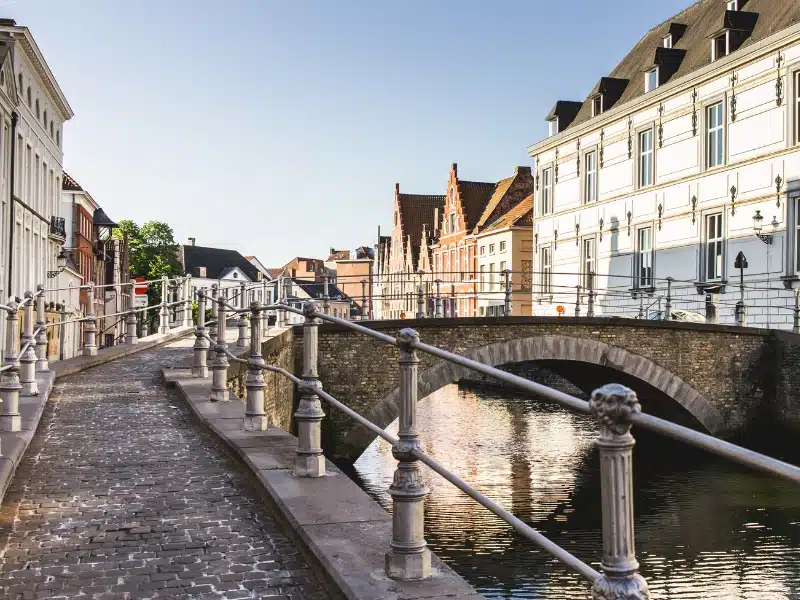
<point x="121" y="495"/>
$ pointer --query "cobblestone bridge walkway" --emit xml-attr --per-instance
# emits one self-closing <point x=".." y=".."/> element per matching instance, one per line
<point x="121" y="495"/>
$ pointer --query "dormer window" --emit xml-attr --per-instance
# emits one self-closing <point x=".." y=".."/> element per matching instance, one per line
<point x="651" y="80"/>
<point x="552" y="127"/>
<point x="668" y="41"/>
<point x="202" y="271"/>
<point x="733" y="5"/>
<point x="597" y="105"/>
<point x="720" y="46"/>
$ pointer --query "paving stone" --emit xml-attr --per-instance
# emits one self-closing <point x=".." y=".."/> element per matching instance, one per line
<point x="122" y="495"/>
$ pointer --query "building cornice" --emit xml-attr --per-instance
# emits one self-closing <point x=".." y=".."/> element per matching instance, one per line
<point x="673" y="88"/>
<point x="36" y="58"/>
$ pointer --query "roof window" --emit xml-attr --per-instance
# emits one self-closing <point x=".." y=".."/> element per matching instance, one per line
<point x="733" y="4"/>
<point x="651" y="80"/>
<point x="720" y="46"/>
<point x="552" y="127"/>
<point x="597" y="105"/>
<point x="667" y="41"/>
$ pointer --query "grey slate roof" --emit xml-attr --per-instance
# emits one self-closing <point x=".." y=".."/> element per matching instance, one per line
<point x="217" y="262"/>
<point x="702" y="20"/>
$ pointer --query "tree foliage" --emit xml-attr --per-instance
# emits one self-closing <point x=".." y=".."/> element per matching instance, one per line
<point x="153" y="249"/>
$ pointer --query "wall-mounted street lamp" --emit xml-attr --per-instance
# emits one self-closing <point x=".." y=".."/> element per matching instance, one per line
<point x="61" y="263"/>
<point x="758" y="221"/>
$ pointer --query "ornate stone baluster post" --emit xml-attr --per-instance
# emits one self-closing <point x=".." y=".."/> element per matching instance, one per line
<point x="668" y="305"/>
<point x="200" y="363"/>
<point x="640" y="314"/>
<point x="27" y="360"/>
<point x="10" y="419"/>
<point x="42" y="366"/>
<point x="507" y="299"/>
<point x="264" y="316"/>
<point x="255" y="417"/>
<point x="438" y="299"/>
<point x="408" y="556"/>
<point x="175" y="308"/>
<point x="420" y="303"/>
<point x="163" y="315"/>
<point x="219" y="368"/>
<point x="326" y="305"/>
<point x="241" y="324"/>
<point x="577" y="301"/>
<point x="590" y="300"/>
<point x="188" y="320"/>
<point x="612" y="406"/>
<point x="212" y="329"/>
<point x="130" y="328"/>
<point x="796" y="320"/>
<point x="309" y="461"/>
<point x="90" y="327"/>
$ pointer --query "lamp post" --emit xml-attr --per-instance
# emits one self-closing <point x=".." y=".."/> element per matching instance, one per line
<point x="767" y="239"/>
<point x="740" y="309"/>
<point x="61" y="264"/>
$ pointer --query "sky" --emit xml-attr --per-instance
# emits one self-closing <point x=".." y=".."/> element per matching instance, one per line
<point x="279" y="127"/>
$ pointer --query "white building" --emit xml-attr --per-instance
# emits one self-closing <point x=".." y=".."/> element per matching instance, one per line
<point x="663" y="170"/>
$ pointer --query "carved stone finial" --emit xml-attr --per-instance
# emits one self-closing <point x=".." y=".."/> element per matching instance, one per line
<point x="407" y="336"/>
<point x="632" y="587"/>
<point x="612" y="406"/>
<point x="40" y="287"/>
<point x="309" y="308"/>
<point x="255" y="306"/>
<point x="29" y="294"/>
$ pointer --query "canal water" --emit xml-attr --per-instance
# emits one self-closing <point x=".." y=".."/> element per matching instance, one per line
<point x="705" y="529"/>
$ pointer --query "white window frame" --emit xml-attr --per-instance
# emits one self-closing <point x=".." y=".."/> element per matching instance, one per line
<point x="644" y="258"/>
<point x="648" y="87"/>
<point x="717" y="130"/>
<point x="491" y="249"/>
<point x="482" y="270"/>
<point x="588" y="259"/>
<point x="500" y="268"/>
<point x="796" y="80"/>
<point x="502" y="246"/>
<point x="714" y="55"/>
<point x="732" y="5"/>
<point x="483" y="250"/>
<point x="642" y="154"/>
<point x="714" y="245"/>
<point x="595" y="100"/>
<point x="589" y="177"/>
<point x="546" y="268"/>
<point x="796" y="227"/>
<point x="552" y="127"/>
<point x="547" y="190"/>
<point x="491" y="277"/>
<point x="667" y="41"/>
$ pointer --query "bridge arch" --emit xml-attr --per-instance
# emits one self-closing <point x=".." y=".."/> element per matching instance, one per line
<point x="544" y="348"/>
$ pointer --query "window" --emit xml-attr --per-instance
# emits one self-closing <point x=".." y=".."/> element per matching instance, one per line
<point x="452" y="197"/>
<point x="547" y="269"/>
<point x="491" y="277"/>
<point x="503" y="277"/>
<point x="19" y="78"/>
<point x="483" y="278"/>
<point x="29" y="96"/>
<point x="552" y="127"/>
<point x="797" y="234"/>
<point x="597" y="105"/>
<point x="483" y="250"/>
<point x="719" y="46"/>
<point x="733" y="5"/>
<point x="491" y="248"/>
<point x="590" y="177"/>
<point x="38" y="113"/>
<point x="502" y="246"/>
<point x="452" y="222"/>
<point x="651" y="80"/>
<point x="646" y="158"/>
<point x="309" y="266"/>
<point x="202" y="271"/>
<point x="714" y="137"/>
<point x="644" y="258"/>
<point x="482" y="310"/>
<point x="668" y="41"/>
<point x="2" y="77"/>
<point x="58" y="138"/>
<point x="547" y="191"/>
<point x="587" y="261"/>
<point x="797" y="108"/>
<point x="714" y="247"/>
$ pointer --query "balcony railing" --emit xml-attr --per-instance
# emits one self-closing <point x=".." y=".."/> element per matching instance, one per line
<point x="58" y="228"/>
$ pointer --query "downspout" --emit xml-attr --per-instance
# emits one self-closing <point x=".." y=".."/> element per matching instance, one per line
<point x="11" y="178"/>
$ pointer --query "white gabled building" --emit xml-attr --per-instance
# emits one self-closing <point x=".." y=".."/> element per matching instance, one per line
<point x="666" y="167"/>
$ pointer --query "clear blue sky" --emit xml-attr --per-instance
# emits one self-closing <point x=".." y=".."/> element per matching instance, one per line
<point x="279" y="127"/>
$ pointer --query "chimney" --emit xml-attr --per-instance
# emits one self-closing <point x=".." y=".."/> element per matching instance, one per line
<point x="192" y="241"/>
<point x="523" y="171"/>
<point x="332" y="251"/>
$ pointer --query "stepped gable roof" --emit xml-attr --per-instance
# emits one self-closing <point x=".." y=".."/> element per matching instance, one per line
<point x="416" y="211"/>
<point x="499" y="191"/>
<point x="475" y="195"/>
<point x="701" y="20"/>
<point x="520" y="215"/>
<point x="217" y="262"/>
<point x="68" y="184"/>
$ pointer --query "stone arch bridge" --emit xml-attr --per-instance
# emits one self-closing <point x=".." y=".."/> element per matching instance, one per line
<point x="715" y="378"/>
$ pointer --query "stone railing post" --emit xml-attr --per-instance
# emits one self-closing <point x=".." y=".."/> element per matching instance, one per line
<point x="326" y="305"/>
<point x="90" y="327"/>
<point x="577" y="301"/>
<point x="27" y="360"/>
<point x="420" y="303"/>
<point x="507" y="288"/>
<point x="10" y="419"/>
<point x="712" y="315"/>
<point x="163" y="314"/>
<point x="42" y="366"/>
<point x="219" y="368"/>
<point x="241" y="324"/>
<point x="175" y="308"/>
<point x="590" y="299"/>
<point x="130" y="328"/>
<point x="640" y="314"/>
<point x="255" y="417"/>
<point x="309" y="461"/>
<point x="796" y="320"/>
<point x="212" y="329"/>
<point x="668" y="305"/>
<point x="200" y="362"/>
<point x="188" y="320"/>
<point x="612" y="406"/>
<point x="264" y="316"/>
<point x="438" y="299"/>
<point x="408" y="556"/>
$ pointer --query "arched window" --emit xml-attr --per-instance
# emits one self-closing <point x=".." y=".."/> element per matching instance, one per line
<point x="29" y="96"/>
<point x="38" y="113"/>
<point x="58" y="138"/>
<point x="51" y="128"/>
<point x="2" y="77"/>
<point x="20" y="83"/>
<point x="44" y="120"/>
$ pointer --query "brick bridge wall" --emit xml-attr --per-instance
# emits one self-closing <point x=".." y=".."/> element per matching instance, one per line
<point x="721" y="375"/>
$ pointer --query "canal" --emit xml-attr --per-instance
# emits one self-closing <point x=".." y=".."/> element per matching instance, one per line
<point x="705" y="529"/>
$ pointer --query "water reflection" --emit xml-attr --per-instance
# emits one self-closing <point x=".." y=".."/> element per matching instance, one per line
<point x="705" y="529"/>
